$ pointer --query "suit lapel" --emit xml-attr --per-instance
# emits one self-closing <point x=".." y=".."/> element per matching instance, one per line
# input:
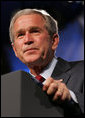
<point x="62" y="70"/>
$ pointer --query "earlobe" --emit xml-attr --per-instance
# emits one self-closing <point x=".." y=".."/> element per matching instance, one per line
<point x="55" y="41"/>
<point x="14" y="49"/>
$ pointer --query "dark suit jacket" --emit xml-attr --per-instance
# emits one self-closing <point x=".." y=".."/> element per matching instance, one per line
<point x="72" y="74"/>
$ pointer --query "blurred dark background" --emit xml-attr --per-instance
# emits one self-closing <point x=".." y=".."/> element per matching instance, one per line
<point x="70" y="17"/>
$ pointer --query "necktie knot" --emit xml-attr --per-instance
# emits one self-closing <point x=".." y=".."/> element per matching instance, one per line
<point x="40" y="78"/>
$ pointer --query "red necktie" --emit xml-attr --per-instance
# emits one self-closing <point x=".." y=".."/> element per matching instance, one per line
<point x="40" y="78"/>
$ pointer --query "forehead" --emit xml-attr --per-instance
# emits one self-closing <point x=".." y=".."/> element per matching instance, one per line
<point x="30" y="19"/>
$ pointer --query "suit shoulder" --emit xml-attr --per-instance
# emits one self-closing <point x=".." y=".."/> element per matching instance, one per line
<point x="72" y="63"/>
<point x="77" y="63"/>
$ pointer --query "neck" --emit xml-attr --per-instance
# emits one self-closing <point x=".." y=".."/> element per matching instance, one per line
<point x="36" y="70"/>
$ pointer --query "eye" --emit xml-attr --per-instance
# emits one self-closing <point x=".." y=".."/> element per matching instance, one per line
<point x="20" y="35"/>
<point x="35" y="31"/>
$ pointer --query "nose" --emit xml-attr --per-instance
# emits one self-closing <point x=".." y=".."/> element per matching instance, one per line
<point x="28" y="38"/>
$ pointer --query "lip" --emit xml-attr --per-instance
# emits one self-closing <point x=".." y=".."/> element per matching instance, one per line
<point x="30" y="49"/>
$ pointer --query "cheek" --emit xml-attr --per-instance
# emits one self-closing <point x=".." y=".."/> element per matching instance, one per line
<point x="18" y="48"/>
<point x="43" y="41"/>
<point x="45" y="48"/>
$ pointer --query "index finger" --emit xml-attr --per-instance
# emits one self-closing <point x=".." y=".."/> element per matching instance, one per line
<point x="47" y="83"/>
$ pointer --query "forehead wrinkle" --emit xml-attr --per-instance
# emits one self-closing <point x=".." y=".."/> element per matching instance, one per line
<point x="30" y="28"/>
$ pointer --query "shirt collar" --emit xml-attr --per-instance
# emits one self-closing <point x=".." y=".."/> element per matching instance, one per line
<point x="47" y="72"/>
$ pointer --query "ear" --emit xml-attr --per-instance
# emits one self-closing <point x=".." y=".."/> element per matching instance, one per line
<point x="13" y="46"/>
<point x="55" y="41"/>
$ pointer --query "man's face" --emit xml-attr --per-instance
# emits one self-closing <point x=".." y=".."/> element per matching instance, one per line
<point x="32" y="43"/>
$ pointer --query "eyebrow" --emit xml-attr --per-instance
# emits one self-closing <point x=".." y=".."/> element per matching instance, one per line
<point x="19" y="31"/>
<point x="31" y="28"/>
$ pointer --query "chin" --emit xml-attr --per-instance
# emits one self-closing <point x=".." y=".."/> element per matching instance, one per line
<point x="32" y="59"/>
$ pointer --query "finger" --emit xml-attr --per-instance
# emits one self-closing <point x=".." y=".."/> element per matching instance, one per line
<point x="58" y="94"/>
<point x="66" y="95"/>
<point x="47" y="83"/>
<point x="52" y="88"/>
<point x="59" y="80"/>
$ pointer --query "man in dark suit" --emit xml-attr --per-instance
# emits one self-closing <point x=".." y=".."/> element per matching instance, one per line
<point x="34" y="37"/>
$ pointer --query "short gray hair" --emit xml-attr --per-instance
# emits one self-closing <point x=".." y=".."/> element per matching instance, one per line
<point x="51" y="24"/>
